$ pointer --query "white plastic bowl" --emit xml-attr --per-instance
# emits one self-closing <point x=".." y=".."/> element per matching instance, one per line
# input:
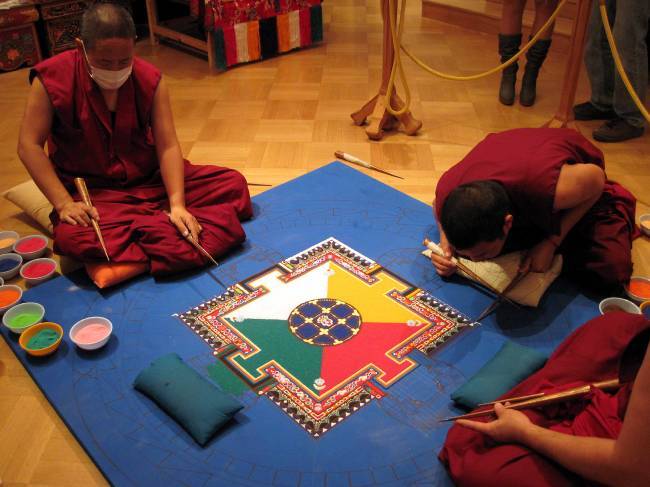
<point x="91" y="320"/>
<point x="644" y="221"/>
<point x="20" y="309"/>
<point x="35" y="254"/>
<point x="11" y="273"/>
<point x="8" y="234"/>
<point x="621" y="303"/>
<point x="10" y="305"/>
<point x="2" y="281"/>
<point x="35" y="280"/>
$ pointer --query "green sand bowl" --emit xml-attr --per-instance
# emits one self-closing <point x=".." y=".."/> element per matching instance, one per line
<point x="21" y="317"/>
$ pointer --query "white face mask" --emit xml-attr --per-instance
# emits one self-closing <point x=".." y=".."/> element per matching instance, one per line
<point x="107" y="79"/>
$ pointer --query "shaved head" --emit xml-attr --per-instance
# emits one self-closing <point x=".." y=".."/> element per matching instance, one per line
<point x="106" y="21"/>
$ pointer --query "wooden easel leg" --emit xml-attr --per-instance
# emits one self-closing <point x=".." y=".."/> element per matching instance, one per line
<point x="564" y="115"/>
<point x="152" y="18"/>
<point x="379" y="119"/>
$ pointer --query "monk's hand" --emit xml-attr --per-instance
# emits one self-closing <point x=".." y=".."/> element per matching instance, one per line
<point x="539" y="258"/>
<point x="445" y="266"/>
<point x="186" y="223"/>
<point x="511" y="426"/>
<point x="78" y="213"/>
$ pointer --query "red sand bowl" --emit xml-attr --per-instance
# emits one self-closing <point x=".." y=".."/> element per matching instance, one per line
<point x="38" y="269"/>
<point x="30" y="245"/>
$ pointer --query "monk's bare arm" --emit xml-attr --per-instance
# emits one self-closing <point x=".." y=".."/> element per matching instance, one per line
<point x="171" y="163"/>
<point x="612" y="462"/>
<point x="579" y="186"/>
<point x="34" y="131"/>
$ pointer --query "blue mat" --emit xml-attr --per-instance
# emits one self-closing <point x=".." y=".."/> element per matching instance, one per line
<point x="392" y="441"/>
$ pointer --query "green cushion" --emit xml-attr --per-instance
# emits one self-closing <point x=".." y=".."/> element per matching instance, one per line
<point x="193" y="401"/>
<point x="512" y="364"/>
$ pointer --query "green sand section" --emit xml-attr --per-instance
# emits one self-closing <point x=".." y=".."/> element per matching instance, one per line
<point x="24" y="319"/>
<point x="227" y="381"/>
<point x="276" y="342"/>
<point x="43" y="339"/>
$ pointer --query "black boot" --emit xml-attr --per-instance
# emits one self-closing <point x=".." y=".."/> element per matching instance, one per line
<point x="508" y="47"/>
<point x="535" y="58"/>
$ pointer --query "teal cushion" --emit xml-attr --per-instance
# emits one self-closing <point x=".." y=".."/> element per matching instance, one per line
<point x="193" y="401"/>
<point x="512" y="364"/>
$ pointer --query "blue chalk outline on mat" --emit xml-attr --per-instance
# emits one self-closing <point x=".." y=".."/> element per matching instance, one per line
<point x="390" y="442"/>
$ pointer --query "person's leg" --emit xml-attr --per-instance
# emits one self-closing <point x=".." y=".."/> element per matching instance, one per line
<point x="537" y="53"/>
<point x="598" y="250"/>
<point x="600" y="69"/>
<point x="218" y="198"/>
<point x="169" y="252"/>
<point x="509" y="42"/>
<point x="212" y="185"/>
<point x="630" y="30"/>
<point x="115" y="224"/>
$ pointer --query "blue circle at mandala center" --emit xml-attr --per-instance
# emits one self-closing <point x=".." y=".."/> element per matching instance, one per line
<point x="324" y="322"/>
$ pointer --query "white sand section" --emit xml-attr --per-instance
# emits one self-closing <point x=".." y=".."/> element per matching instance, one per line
<point x="283" y="297"/>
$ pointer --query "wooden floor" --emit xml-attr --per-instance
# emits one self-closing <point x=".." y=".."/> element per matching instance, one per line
<point x="276" y="120"/>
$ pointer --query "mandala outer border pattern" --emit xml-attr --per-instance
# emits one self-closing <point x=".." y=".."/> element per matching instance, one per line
<point x="318" y="417"/>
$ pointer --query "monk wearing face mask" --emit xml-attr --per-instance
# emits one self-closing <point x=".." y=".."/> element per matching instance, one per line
<point x="106" y="117"/>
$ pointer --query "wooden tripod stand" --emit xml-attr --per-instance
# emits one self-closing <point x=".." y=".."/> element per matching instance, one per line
<point x="379" y="119"/>
<point x="564" y="115"/>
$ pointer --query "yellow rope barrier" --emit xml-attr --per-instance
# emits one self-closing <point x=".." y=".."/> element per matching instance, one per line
<point x="397" y="61"/>
<point x="618" y="63"/>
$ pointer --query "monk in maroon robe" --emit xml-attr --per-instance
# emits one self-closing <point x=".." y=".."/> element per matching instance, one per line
<point x="540" y="190"/>
<point x="603" y="438"/>
<point x="107" y="118"/>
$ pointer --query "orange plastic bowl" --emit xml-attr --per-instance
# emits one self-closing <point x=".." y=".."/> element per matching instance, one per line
<point x="27" y="335"/>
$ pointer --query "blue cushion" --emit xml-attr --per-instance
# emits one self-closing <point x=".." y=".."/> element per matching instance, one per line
<point x="512" y="364"/>
<point x="193" y="401"/>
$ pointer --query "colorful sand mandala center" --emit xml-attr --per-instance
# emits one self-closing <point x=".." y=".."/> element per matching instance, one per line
<point x="324" y="322"/>
<point x="324" y="332"/>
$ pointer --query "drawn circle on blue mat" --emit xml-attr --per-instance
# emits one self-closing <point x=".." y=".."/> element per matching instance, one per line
<point x="324" y="322"/>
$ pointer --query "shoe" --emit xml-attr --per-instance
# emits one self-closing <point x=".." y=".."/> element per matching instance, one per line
<point x="535" y="58"/>
<point x="508" y="47"/>
<point x="587" y="111"/>
<point x="617" y="130"/>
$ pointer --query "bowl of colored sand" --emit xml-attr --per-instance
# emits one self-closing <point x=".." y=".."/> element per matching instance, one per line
<point x="638" y="289"/>
<point x="10" y="265"/>
<point x="7" y="241"/>
<point x="38" y="270"/>
<point x="609" y="305"/>
<point x="31" y="246"/>
<point x="22" y="316"/>
<point x="644" y="221"/>
<point x="91" y="333"/>
<point x="41" y="339"/>
<point x="9" y="296"/>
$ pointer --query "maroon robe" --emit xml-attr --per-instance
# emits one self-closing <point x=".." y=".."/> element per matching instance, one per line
<point x="119" y="163"/>
<point x="527" y="163"/>
<point x="592" y="353"/>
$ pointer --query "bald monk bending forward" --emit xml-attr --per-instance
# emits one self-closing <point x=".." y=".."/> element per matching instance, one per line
<point x="107" y="118"/>
<point x="540" y="190"/>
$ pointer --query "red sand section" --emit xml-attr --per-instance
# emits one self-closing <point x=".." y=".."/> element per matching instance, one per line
<point x="38" y="269"/>
<point x="31" y="245"/>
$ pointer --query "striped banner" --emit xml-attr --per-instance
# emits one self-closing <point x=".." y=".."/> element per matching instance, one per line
<point x="261" y="39"/>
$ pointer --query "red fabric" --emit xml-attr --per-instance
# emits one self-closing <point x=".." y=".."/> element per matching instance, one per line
<point x="230" y="41"/>
<point x="592" y="353"/>
<point x="305" y="27"/>
<point x="83" y="141"/>
<point x="527" y="163"/>
<point x="121" y="169"/>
